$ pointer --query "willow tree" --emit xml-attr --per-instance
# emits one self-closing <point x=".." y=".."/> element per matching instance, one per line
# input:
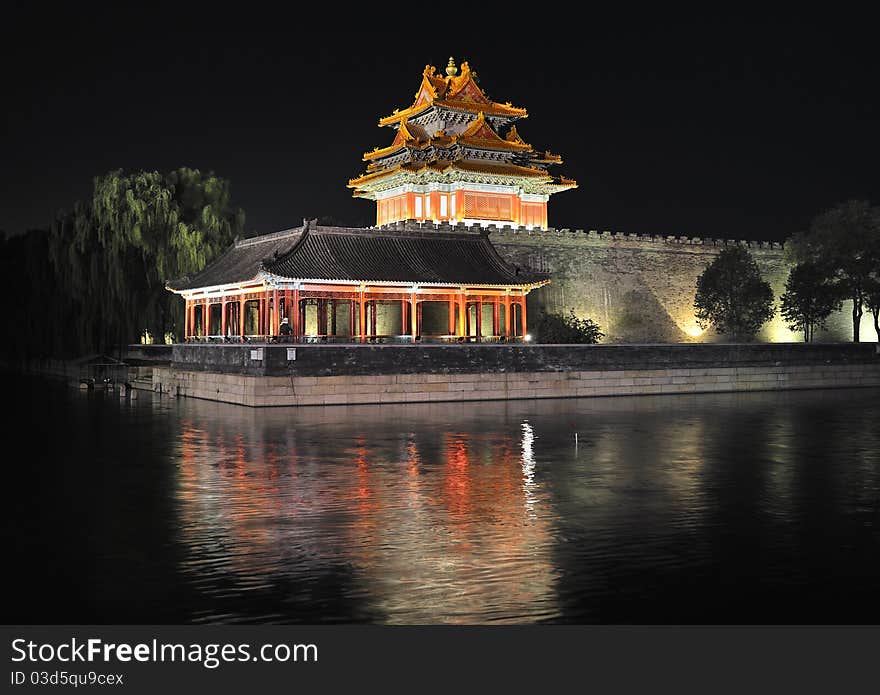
<point x="114" y="254"/>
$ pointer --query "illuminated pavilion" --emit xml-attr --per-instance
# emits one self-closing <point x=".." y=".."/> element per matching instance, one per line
<point x="427" y="271"/>
<point x="449" y="162"/>
<point x="344" y="284"/>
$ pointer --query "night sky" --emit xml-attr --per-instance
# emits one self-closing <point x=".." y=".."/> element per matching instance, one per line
<point x="713" y="130"/>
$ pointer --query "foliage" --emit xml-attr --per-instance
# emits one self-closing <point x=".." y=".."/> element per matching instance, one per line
<point x="567" y="330"/>
<point x="811" y="294"/>
<point x="732" y="296"/>
<point x="846" y="238"/>
<point x="97" y="278"/>
<point x="872" y="298"/>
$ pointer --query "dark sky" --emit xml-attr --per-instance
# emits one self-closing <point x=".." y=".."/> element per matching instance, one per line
<point x="713" y="129"/>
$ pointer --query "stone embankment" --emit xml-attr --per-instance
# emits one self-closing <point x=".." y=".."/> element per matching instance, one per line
<point x="279" y="375"/>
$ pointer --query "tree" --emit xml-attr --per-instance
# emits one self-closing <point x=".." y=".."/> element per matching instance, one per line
<point x="732" y="296"/>
<point x="847" y="239"/>
<point x="567" y="330"/>
<point x="114" y="254"/>
<point x="872" y="299"/>
<point x="810" y="296"/>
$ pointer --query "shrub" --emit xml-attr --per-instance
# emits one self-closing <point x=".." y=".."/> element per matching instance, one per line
<point x="566" y="330"/>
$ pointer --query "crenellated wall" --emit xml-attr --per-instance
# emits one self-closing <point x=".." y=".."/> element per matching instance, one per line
<point x="641" y="288"/>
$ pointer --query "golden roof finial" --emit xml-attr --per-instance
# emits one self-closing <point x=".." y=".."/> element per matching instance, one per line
<point x="451" y="70"/>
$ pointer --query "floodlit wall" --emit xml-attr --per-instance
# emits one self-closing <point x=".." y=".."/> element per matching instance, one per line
<point x="640" y="289"/>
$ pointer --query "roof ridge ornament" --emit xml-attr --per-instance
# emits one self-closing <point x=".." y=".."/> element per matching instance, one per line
<point x="451" y="68"/>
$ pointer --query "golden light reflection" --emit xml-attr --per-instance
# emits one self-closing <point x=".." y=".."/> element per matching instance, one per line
<point x="528" y="466"/>
<point x="420" y="521"/>
<point x="223" y="494"/>
<point x="456" y="478"/>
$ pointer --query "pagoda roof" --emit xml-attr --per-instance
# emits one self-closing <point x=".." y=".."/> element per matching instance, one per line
<point x="471" y="166"/>
<point x="455" y="91"/>
<point x="479" y="134"/>
<point x="364" y="255"/>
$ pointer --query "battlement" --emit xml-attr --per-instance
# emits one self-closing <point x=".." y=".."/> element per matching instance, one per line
<point x="592" y="235"/>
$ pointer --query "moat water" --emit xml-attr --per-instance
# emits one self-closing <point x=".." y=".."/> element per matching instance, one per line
<point x="722" y="508"/>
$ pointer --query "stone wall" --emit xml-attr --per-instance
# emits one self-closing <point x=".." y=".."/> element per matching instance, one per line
<point x="407" y="388"/>
<point x="641" y="288"/>
<point x="331" y="375"/>
<point x="443" y="359"/>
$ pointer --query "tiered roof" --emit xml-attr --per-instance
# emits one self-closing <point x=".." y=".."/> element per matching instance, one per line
<point x="453" y="128"/>
<point x="454" y="91"/>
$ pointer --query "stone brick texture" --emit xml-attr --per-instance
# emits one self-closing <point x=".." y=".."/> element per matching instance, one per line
<point x="335" y="375"/>
<point x="639" y="288"/>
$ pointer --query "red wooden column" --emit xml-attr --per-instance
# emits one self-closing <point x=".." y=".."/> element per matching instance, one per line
<point x="267" y="328"/>
<point x="462" y="314"/>
<point x="403" y="317"/>
<point x="496" y="324"/>
<point x="479" y="316"/>
<point x="223" y="316"/>
<point x="241" y="301"/>
<point x="206" y="317"/>
<point x="413" y="316"/>
<point x="507" y="316"/>
<point x="373" y="317"/>
<point x="524" y="325"/>
<point x="352" y="324"/>
<point x="362" y="315"/>
<point x="276" y="312"/>
<point x="322" y="317"/>
<point x="451" y="314"/>
<point x="296" y="326"/>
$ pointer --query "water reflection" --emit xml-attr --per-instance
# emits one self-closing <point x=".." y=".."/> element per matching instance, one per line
<point x="724" y="508"/>
<point x="430" y="523"/>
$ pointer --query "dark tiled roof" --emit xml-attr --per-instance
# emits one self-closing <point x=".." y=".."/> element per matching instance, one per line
<point x="368" y="255"/>
<point x="242" y="261"/>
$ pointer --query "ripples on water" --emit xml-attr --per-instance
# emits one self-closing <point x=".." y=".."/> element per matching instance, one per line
<point x="672" y="509"/>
